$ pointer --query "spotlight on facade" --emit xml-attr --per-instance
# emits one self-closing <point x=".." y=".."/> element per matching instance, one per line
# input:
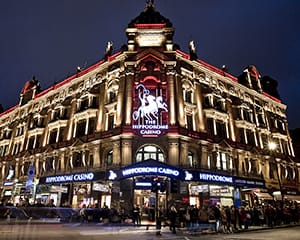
<point x="272" y="146"/>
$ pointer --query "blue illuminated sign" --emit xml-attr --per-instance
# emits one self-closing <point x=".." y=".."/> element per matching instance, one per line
<point x="76" y="177"/>
<point x="209" y="177"/>
<point x="150" y="171"/>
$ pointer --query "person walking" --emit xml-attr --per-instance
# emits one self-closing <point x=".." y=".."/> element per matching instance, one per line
<point x="172" y="217"/>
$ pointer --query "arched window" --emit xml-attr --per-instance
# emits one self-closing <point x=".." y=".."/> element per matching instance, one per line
<point x="150" y="152"/>
<point x="109" y="159"/>
<point x="191" y="160"/>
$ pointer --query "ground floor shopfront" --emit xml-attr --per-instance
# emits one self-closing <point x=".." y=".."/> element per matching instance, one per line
<point x="150" y="183"/>
<point x="145" y="184"/>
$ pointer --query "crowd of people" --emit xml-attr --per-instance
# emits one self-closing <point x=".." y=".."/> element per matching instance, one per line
<point x="225" y="219"/>
<point x="229" y="219"/>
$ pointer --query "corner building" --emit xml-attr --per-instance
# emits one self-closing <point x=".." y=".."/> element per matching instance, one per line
<point x="149" y="116"/>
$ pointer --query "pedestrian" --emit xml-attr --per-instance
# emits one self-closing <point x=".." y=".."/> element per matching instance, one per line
<point x="217" y="214"/>
<point x="51" y="203"/>
<point x="173" y="217"/>
<point x="159" y="218"/>
<point x="243" y="217"/>
<point x="83" y="214"/>
<point x="223" y="219"/>
<point x="136" y="215"/>
<point x="193" y="212"/>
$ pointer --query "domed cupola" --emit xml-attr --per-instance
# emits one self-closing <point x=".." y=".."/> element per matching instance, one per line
<point x="150" y="29"/>
<point x="150" y="16"/>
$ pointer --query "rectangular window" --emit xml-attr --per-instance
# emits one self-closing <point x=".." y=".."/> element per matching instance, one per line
<point x="84" y="104"/>
<point x="81" y="128"/>
<point x="221" y="129"/>
<point x="112" y="97"/>
<point x="110" y="158"/>
<point x="189" y="122"/>
<point x="250" y="137"/>
<point x="210" y="127"/>
<point x="272" y="170"/>
<point x="30" y="143"/>
<point x="209" y="161"/>
<point x="61" y="134"/>
<point x="242" y="136"/>
<point x="95" y="102"/>
<point x="38" y="141"/>
<point x="111" y="122"/>
<point x="264" y="139"/>
<point x="52" y="138"/>
<point x="188" y="96"/>
<point x="224" y="162"/>
<point x="91" y="126"/>
<point x="1" y="151"/>
<point x="77" y="160"/>
<point x="91" y="160"/>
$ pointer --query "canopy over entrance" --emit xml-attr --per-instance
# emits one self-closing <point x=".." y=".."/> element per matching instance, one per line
<point x="146" y="168"/>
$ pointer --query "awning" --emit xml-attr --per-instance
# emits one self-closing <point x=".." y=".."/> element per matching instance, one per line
<point x="263" y="195"/>
<point x="293" y="198"/>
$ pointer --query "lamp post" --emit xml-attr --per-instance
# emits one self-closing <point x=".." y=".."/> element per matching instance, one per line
<point x="272" y="148"/>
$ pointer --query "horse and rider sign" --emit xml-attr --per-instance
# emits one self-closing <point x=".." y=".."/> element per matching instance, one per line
<point x="150" y="116"/>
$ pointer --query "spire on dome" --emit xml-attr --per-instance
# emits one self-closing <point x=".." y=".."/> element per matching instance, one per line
<point x="149" y="4"/>
<point x="150" y="16"/>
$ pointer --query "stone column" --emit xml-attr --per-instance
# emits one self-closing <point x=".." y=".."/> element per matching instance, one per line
<point x="86" y="125"/>
<point x="128" y="101"/>
<point x="173" y="158"/>
<point x="231" y="128"/>
<point x="183" y="153"/>
<point x="96" y="154"/>
<point x="75" y="122"/>
<point x="171" y="95"/>
<point x="100" y="126"/>
<point x="120" y="99"/>
<point x="116" y="153"/>
<point x="127" y="157"/>
<point x="71" y="119"/>
<point x="200" y="123"/>
<point x="46" y="132"/>
<point x="61" y="158"/>
<point x="204" y="157"/>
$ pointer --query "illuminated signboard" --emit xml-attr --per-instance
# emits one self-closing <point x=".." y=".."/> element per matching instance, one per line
<point x="208" y="177"/>
<point x="150" y="171"/>
<point x="249" y="182"/>
<point x="150" y="111"/>
<point x="76" y="177"/>
<point x="148" y="167"/>
<point x="8" y="183"/>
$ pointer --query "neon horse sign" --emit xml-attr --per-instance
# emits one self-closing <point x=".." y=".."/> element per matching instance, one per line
<point x="149" y="105"/>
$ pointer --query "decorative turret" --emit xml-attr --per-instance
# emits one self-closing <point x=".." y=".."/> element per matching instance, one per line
<point x="30" y="89"/>
<point x="150" y="29"/>
<point x="251" y="78"/>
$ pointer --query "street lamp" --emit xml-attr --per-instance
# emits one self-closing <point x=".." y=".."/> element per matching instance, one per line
<point x="272" y="147"/>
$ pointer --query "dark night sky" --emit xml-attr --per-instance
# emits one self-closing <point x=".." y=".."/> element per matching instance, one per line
<point x="50" y="38"/>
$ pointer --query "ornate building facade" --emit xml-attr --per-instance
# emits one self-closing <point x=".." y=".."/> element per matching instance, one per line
<point x="149" y="115"/>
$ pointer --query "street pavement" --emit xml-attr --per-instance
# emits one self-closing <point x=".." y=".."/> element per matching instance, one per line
<point x="22" y="230"/>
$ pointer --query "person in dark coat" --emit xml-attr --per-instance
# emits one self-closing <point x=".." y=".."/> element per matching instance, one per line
<point x="172" y="218"/>
<point x="217" y="214"/>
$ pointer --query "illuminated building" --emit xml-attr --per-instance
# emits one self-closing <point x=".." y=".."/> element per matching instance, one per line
<point x="146" y="111"/>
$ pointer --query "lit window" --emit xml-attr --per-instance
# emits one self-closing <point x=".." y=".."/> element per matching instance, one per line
<point x="109" y="160"/>
<point x="149" y="152"/>
<point x="191" y="159"/>
<point x="224" y="161"/>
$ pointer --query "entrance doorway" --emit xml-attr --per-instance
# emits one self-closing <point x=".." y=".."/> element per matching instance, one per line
<point x="146" y="201"/>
